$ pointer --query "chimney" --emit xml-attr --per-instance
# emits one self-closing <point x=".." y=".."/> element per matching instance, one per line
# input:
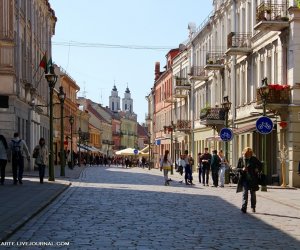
<point x="157" y="70"/>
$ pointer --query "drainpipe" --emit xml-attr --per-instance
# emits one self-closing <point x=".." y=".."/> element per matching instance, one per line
<point x="233" y="90"/>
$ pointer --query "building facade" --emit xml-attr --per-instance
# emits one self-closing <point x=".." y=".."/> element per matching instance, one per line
<point x="26" y="28"/>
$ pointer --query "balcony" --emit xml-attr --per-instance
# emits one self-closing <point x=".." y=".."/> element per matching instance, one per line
<point x="148" y="118"/>
<point x="271" y="17"/>
<point x="116" y="133"/>
<point x="212" y="116"/>
<point x="198" y="73"/>
<point x="238" y="44"/>
<point x="182" y="84"/>
<point x="214" y="61"/>
<point x="183" y="125"/>
<point x="278" y="94"/>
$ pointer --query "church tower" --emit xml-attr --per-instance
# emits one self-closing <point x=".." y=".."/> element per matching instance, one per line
<point x="114" y="100"/>
<point x="127" y="102"/>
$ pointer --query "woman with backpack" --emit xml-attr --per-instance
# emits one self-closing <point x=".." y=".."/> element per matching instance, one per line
<point x="165" y="165"/>
<point x="3" y="157"/>
<point x="40" y="153"/>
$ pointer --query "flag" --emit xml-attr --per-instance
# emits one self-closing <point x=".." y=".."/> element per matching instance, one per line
<point x="43" y="62"/>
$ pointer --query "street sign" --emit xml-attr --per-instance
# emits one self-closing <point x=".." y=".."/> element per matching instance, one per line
<point x="157" y="142"/>
<point x="264" y="125"/>
<point x="135" y="151"/>
<point x="226" y="134"/>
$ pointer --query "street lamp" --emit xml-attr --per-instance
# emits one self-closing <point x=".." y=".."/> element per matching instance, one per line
<point x="263" y="91"/>
<point x="168" y="129"/>
<point x="51" y="78"/>
<point x="226" y="106"/>
<point x="71" y="121"/>
<point x="61" y="97"/>
<point x="149" y="137"/>
<point x="79" y="154"/>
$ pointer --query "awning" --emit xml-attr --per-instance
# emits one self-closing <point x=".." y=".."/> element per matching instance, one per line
<point x="247" y="128"/>
<point x="213" y="138"/>
<point x="88" y="148"/>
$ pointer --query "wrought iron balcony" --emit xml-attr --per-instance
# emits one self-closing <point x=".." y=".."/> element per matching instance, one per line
<point x="198" y="73"/>
<point x="271" y="16"/>
<point x="278" y="94"/>
<point x="214" y="61"/>
<point x="212" y="116"/>
<point x="183" y="125"/>
<point x="148" y="117"/>
<point x="238" y="43"/>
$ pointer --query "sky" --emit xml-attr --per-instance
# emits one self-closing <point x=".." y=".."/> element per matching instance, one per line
<point x="105" y="42"/>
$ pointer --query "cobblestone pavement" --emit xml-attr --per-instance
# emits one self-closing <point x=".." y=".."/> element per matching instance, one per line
<point x="117" y="208"/>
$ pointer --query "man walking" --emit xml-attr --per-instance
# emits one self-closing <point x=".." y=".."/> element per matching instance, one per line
<point x="205" y="160"/>
<point x="17" y="150"/>
<point x="215" y="166"/>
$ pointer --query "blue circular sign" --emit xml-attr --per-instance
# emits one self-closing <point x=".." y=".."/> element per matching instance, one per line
<point x="226" y="134"/>
<point x="135" y="151"/>
<point x="264" y="125"/>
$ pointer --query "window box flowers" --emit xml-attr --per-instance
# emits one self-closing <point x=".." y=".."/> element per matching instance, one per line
<point x="277" y="94"/>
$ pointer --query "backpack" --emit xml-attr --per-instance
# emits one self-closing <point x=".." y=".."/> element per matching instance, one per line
<point x="16" y="149"/>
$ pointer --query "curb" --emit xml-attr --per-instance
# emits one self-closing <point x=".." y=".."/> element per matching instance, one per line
<point x="15" y="227"/>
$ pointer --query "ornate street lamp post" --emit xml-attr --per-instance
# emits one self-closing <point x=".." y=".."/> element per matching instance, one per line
<point x="61" y="97"/>
<point x="79" y="141"/>
<point x="226" y="105"/>
<point x="71" y="121"/>
<point x="263" y="91"/>
<point x="51" y="78"/>
<point x="168" y="129"/>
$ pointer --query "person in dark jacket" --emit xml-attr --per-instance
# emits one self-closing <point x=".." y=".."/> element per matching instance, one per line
<point x="205" y="161"/>
<point x="250" y="167"/>
<point x="215" y="166"/>
<point x="3" y="157"/>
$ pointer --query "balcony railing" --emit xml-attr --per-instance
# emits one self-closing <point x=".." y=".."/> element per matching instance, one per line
<point x="212" y="116"/>
<point x="182" y="83"/>
<point x="116" y="133"/>
<point x="198" y="73"/>
<point x="271" y="16"/>
<point x="183" y="125"/>
<point x="238" y="43"/>
<point x="214" y="61"/>
<point x="278" y="94"/>
<point x="148" y="117"/>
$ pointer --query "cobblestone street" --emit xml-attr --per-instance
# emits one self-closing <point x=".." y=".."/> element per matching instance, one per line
<point x="117" y="208"/>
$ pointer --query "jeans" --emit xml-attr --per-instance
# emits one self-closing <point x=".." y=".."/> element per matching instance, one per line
<point x="18" y="164"/>
<point x="41" y="172"/>
<point x="188" y="173"/>
<point x="166" y="171"/>
<point x="205" y="171"/>
<point x="222" y="176"/>
<point x="2" y="166"/>
<point x="200" y="173"/>
<point x="245" y="196"/>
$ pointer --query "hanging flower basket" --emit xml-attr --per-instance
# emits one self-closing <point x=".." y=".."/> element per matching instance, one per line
<point x="277" y="94"/>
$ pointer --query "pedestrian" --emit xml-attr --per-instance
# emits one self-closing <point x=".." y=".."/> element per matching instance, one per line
<point x="3" y="157"/>
<point x="215" y="166"/>
<point x="17" y="150"/>
<point x="165" y="165"/>
<point x="188" y="168"/>
<point x="250" y="167"/>
<point x="199" y="167"/>
<point x="299" y="168"/>
<point x="205" y="160"/>
<point x="40" y="153"/>
<point x="223" y="166"/>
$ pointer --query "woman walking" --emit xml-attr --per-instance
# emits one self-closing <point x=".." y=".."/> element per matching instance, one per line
<point x="249" y="167"/>
<point x="3" y="157"/>
<point x="165" y="165"/>
<point x="40" y="153"/>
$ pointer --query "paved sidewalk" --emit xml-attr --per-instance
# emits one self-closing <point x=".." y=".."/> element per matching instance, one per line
<point x="20" y="203"/>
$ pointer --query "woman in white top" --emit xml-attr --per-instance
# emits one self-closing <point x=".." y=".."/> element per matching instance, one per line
<point x="165" y="164"/>
<point x="223" y="165"/>
<point x="3" y="157"/>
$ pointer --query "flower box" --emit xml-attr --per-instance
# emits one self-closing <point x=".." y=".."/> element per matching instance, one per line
<point x="277" y="94"/>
